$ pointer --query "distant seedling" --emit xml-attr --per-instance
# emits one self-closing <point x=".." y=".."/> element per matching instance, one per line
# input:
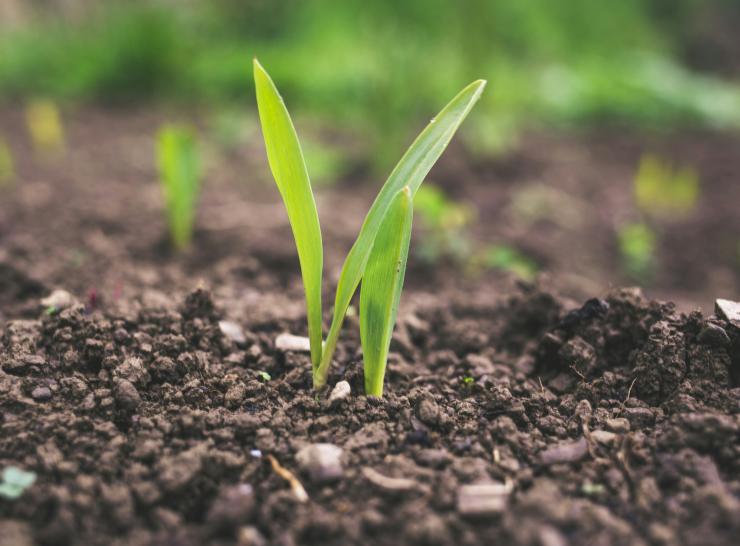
<point x="7" y="167"/>
<point x="45" y="127"/>
<point x="445" y="224"/>
<point x="179" y="176"/>
<point x="661" y="189"/>
<point x="15" y="481"/>
<point x="637" y="245"/>
<point x="378" y="256"/>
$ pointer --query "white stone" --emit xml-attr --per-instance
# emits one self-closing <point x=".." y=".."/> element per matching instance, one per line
<point x="289" y="342"/>
<point x="322" y="462"/>
<point x="232" y="330"/>
<point x="483" y="499"/>
<point x="340" y="391"/>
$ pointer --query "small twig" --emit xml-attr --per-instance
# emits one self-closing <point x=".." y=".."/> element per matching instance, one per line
<point x="629" y="393"/>
<point x="288" y="476"/>
<point x="542" y="387"/>
<point x="578" y="373"/>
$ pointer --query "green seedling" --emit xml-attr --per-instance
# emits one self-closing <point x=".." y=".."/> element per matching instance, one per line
<point x="15" y="481"/>
<point x="179" y="176"/>
<point x="664" y="190"/>
<point x="7" y="165"/>
<point x="637" y="242"/>
<point x="378" y="256"/>
<point x="264" y="376"/>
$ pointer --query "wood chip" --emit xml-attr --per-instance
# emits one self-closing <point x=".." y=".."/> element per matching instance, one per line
<point x="288" y="476"/>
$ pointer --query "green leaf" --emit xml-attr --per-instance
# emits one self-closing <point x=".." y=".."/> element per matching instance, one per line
<point x="179" y="173"/>
<point x="381" y="289"/>
<point x="15" y="481"/>
<point x="410" y="171"/>
<point x="289" y="170"/>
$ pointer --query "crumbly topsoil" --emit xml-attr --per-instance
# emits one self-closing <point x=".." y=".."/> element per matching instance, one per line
<point x="616" y="422"/>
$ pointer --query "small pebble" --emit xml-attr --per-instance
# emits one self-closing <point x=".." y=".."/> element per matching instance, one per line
<point x="639" y="417"/>
<point x="232" y="331"/>
<point x="569" y="452"/>
<point x="619" y="425"/>
<point x="484" y="499"/>
<point x="41" y="394"/>
<point x="340" y="391"/>
<point x="391" y="484"/>
<point x="126" y="395"/>
<point x="714" y="335"/>
<point x="728" y="310"/>
<point x="322" y="462"/>
<point x="58" y="300"/>
<point x="427" y="411"/>
<point x="289" y="342"/>
<point x="250" y="536"/>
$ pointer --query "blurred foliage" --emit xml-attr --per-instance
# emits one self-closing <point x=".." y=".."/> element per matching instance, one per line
<point x="637" y="246"/>
<point x="444" y="225"/>
<point x="379" y="66"/>
<point x="508" y="258"/>
<point x="45" y="127"/>
<point x="663" y="190"/>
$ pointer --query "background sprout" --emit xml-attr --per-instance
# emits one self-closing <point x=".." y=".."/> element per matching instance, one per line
<point x="637" y="243"/>
<point x="179" y="176"/>
<point x="45" y="127"/>
<point x="7" y="167"/>
<point x="15" y="481"/>
<point x="661" y="189"/>
<point x="288" y="168"/>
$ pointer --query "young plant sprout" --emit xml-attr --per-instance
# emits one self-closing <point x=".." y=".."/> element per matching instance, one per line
<point x="378" y="256"/>
<point x="7" y="169"/>
<point x="45" y="127"/>
<point x="179" y="176"/>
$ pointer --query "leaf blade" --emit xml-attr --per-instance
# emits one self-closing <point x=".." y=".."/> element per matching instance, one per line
<point x="288" y="167"/>
<point x="410" y="171"/>
<point x="381" y="289"/>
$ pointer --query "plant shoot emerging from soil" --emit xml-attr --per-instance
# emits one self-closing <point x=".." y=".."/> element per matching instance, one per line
<point x="179" y="176"/>
<point x="378" y="256"/>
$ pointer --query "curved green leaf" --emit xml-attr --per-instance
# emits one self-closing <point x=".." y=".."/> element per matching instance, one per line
<point x="410" y="171"/>
<point x="381" y="289"/>
<point x="289" y="170"/>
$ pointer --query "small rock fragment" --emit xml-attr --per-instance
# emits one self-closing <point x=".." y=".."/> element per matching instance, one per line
<point x="289" y="342"/>
<point x="250" y="536"/>
<point x="427" y="410"/>
<point x="232" y="331"/>
<point x="618" y="424"/>
<point x="714" y="335"/>
<point x="391" y="484"/>
<point x="728" y="310"/>
<point x="322" y="462"/>
<point x="604" y="436"/>
<point x="569" y="452"/>
<point x="41" y="394"/>
<point x="340" y="391"/>
<point x="639" y="417"/>
<point x="126" y="395"/>
<point x="58" y="300"/>
<point x="232" y="508"/>
<point x="483" y="499"/>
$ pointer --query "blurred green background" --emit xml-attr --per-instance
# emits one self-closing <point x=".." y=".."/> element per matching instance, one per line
<point x="378" y="67"/>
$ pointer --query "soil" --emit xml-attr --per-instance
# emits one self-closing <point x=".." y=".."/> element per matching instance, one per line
<point x="154" y="406"/>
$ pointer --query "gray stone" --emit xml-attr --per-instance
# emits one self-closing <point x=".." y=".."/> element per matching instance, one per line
<point x="233" y="507"/>
<point x="485" y="499"/>
<point x="714" y="335"/>
<point x="41" y="394"/>
<point x="569" y="452"/>
<point x="126" y="395"/>
<point x="322" y="462"/>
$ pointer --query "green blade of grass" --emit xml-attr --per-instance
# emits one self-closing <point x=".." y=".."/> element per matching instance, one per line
<point x="179" y="172"/>
<point x="381" y="289"/>
<point x="410" y="171"/>
<point x="289" y="170"/>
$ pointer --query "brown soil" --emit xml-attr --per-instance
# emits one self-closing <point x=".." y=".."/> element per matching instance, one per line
<point x="614" y="421"/>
